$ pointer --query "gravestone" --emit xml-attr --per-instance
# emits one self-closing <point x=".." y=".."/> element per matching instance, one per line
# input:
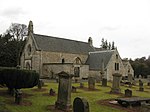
<point x="128" y="93"/>
<point x="140" y="77"/>
<point x="18" y="96"/>
<point x="40" y="83"/>
<point x="104" y="76"/>
<point x="141" y="88"/>
<point x="74" y="89"/>
<point x="81" y="85"/>
<point x="91" y="82"/>
<point x="116" y="83"/>
<point x="148" y="84"/>
<point x="80" y="105"/>
<point x="148" y="78"/>
<point x="64" y="92"/>
<point x="104" y="82"/>
<point x="52" y="92"/>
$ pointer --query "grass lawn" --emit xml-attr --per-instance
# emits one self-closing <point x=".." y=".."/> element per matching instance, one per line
<point x="37" y="101"/>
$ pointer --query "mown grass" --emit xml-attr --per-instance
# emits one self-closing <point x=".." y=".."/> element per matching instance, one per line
<point x="40" y="101"/>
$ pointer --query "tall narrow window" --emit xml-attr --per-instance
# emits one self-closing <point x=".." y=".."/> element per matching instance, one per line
<point x="116" y="66"/>
<point x="116" y="56"/>
<point x="28" y="67"/>
<point x="29" y="49"/>
<point x="63" y="61"/>
<point x="77" y="71"/>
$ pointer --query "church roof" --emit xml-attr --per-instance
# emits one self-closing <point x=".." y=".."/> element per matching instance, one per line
<point x="55" y="44"/>
<point x="95" y="59"/>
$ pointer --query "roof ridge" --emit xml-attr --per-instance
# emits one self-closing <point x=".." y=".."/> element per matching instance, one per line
<point x="102" y="51"/>
<point x="60" y="38"/>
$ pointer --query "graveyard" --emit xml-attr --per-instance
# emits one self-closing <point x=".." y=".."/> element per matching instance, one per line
<point x="99" y="97"/>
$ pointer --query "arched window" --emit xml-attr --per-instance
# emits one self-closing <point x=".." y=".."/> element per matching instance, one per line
<point x="76" y="71"/>
<point x="77" y="60"/>
<point x="28" y="67"/>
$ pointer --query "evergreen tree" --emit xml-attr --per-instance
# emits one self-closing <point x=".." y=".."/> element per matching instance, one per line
<point x="113" y="45"/>
<point x="109" y="46"/>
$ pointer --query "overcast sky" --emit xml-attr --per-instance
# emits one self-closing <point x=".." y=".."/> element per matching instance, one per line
<point x="126" y="22"/>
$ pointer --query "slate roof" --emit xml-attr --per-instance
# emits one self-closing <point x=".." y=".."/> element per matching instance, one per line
<point x="95" y="59"/>
<point x="55" y="44"/>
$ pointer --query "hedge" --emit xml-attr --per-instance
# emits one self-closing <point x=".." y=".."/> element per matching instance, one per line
<point x="17" y="78"/>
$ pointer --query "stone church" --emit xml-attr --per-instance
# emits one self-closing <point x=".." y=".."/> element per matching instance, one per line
<point x="50" y="55"/>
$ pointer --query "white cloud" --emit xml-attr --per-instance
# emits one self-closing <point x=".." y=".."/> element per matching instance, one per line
<point x="127" y="22"/>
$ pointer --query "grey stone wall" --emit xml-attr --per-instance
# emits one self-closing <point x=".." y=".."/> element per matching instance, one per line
<point x="56" y="57"/>
<point x="50" y="70"/>
<point x="111" y="66"/>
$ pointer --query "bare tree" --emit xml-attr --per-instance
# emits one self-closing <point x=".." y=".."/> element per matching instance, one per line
<point x="18" y="33"/>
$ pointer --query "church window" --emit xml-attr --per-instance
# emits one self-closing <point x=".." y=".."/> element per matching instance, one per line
<point x="116" y="66"/>
<point x="28" y="67"/>
<point x="116" y="56"/>
<point x="29" y="49"/>
<point x="63" y="61"/>
<point x="76" y="71"/>
<point x="78" y="60"/>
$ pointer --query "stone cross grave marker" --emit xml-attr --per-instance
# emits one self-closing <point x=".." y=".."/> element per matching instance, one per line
<point x="128" y="93"/>
<point x="64" y="92"/>
<point x="116" y="83"/>
<point x="80" y="105"/>
<point x="91" y="83"/>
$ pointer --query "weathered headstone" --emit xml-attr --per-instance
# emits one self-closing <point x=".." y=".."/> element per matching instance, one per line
<point x="148" y="84"/>
<point x="64" y="92"/>
<point x="141" y="88"/>
<point x="81" y="85"/>
<point x="104" y="76"/>
<point x="140" y="77"/>
<point x="74" y="89"/>
<point x="104" y="82"/>
<point x="52" y="92"/>
<point x="80" y="105"/>
<point x="91" y="82"/>
<point x="116" y="83"/>
<point x="18" y="96"/>
<point x="128" y="93"/>
<point x="148" y="78"/>
<point x="40" y="84"/>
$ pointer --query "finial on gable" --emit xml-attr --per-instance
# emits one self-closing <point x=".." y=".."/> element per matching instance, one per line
<point x="90" y="41"/>
<point x="30" y="27"/>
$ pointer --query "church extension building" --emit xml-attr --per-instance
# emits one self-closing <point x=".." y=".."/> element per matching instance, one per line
<point x="50" y="55"/>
